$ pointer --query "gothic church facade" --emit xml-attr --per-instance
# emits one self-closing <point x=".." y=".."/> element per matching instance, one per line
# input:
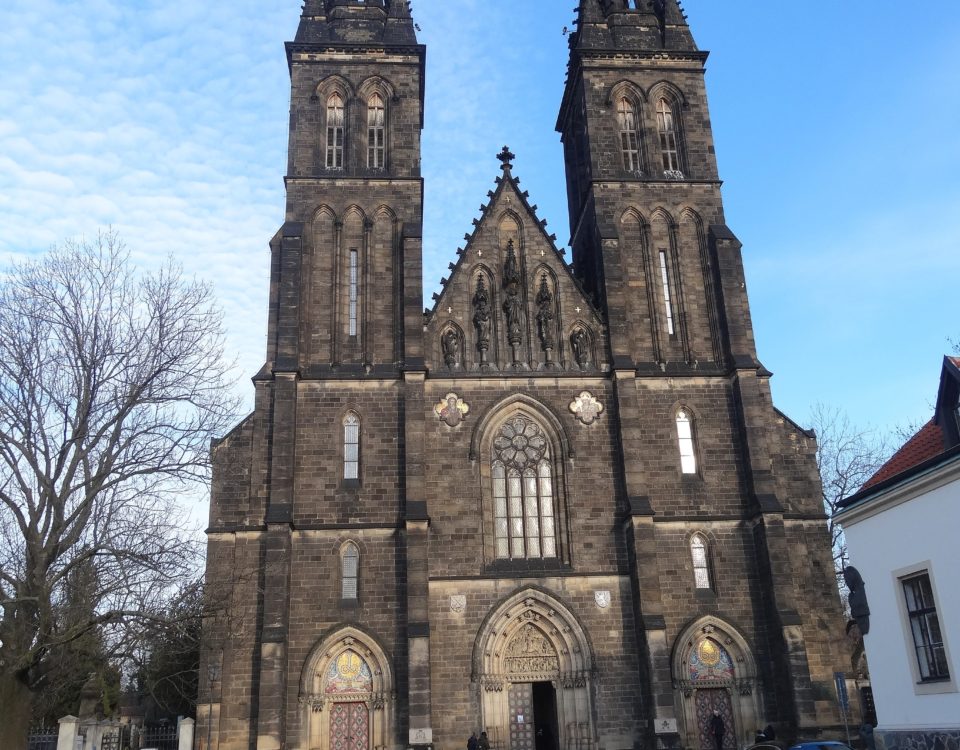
<point x="559" y="506"/>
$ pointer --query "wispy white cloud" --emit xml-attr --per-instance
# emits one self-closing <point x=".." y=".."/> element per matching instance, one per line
<point x="167" y="119"/>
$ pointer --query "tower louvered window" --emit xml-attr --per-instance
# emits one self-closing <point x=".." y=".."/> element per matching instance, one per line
<point x="335" y="128"/>
<point x="669" y="138"/>
<point x="376" y="133"/>
<point x="523" y="496"/>
<point x="629" y="135"/>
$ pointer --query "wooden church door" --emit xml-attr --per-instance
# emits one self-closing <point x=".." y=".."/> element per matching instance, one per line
<point x="349" y="726"/>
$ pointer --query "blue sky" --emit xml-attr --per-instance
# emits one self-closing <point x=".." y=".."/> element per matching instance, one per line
<point x="836" y="128"/>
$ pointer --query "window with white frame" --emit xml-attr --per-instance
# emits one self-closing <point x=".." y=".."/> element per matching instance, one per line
<point x="376" y="132"/>
<point x="688" y="451"/>
<point x="629" y="134"/>
<point x="669" y="137"/>
<point x="701" y="562"/>
<point x="523" y="496"/>
<point x="667" y="292"/>
<point x="349" y="572"/>
<point x="351" y="447"/>
<point x="335" y="128"/>
<point x="925" y="628"/>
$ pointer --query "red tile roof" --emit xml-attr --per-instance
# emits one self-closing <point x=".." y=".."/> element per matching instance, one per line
<point x="926" y="444"/>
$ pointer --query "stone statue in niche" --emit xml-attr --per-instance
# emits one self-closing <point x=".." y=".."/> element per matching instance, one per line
<point x="481" y="319"/>
<point x="450" y="342"/>
<point x="512" y="304"/>
<point x="580" y="344"/>
<point x="545" y="318"/>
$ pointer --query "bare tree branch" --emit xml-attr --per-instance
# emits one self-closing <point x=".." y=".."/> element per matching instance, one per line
<point x="847" y="456"/>
<point x="112" y="384"/>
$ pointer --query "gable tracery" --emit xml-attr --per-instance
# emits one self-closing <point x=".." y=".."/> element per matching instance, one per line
<point x="515" y="304"/>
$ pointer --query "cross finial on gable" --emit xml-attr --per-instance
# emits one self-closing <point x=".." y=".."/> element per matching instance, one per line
<point x="506" y="158"/>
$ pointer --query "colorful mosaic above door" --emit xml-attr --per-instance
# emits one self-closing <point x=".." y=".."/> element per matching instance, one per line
<point x="710" y="661"/>
<point x="349" y="673"/>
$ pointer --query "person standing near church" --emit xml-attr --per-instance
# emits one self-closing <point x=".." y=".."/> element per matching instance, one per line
<point x="473" y="743"/>
<point x="717" y="730"/>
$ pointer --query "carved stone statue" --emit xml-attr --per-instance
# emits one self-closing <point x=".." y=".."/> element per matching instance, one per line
<point x="859" y="609"/>
<point x="512" y="304"/>
<point x="545" y="315"/>
<point x="451" y="348"/>
<point x="581" y="347"/>
<point x="481" y="318"/>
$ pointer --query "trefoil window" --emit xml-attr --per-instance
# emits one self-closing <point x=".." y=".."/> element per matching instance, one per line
<point x="688" y="456"/>
<point x="701" y="565"/>
<point x="354" y="292"/>
<point x="335" y="126"/>
<point x="351" y="447"/>
<point x="669" y="139"/>
<point x="925" y="628"/>
<point x="667" y="295"/>
<point x="629" y="135"/>
<point x="349" y="572"/>
<point x="376" y="133"/>
<point x="523" y="497"/>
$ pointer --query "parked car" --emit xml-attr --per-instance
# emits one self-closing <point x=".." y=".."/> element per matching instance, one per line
<point x="821" y="745"/>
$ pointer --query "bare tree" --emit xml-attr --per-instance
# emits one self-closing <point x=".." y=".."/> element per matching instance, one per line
<point x="112" y="384"/>
<point x="847" y="456"/>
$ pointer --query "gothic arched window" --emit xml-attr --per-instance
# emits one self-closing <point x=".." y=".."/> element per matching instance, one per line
<point x="688" y="449"/>
<point x="376" y="132"/>
<point x="335" y="127"/>
<point x="523" y="495"/>
<point x="701" y="562"/>
<point x="669" y="136"/>
<point x="349" y="571"/>
<point x="629" y="134"/>
<point x="351" y="447"/>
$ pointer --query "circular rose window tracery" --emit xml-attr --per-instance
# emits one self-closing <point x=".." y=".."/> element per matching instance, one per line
<point x="521" y="443"/>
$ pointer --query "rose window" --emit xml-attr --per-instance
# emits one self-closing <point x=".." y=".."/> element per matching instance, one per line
<point x="521" y="443"/>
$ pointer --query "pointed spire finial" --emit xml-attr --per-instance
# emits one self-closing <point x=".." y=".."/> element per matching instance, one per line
<point x="506" y="158"/>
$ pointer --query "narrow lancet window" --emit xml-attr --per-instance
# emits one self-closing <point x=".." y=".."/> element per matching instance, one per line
<point x="376" y="133"/>
<point x="335" y="125"/>
<point x="688" y="457"/>
<point x="629" y="135"/>
<point x="354" y="292"/>
<point x="701" y="565"/>
<point x="351" y="447"/>
<point x="349" y="572"/>
<point x="667" y="129"/>
<point x="667" y="294"/>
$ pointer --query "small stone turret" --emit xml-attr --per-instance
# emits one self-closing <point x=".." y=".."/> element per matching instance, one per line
<point x="632" y="25"/>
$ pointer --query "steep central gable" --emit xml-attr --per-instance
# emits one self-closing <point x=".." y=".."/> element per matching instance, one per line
<point x="511" y="302"/>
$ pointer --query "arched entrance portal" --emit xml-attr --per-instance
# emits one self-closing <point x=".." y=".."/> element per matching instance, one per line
<point x="532" y="664"/>
<point x="714" y="670"/>
<point x="346" y="694"/>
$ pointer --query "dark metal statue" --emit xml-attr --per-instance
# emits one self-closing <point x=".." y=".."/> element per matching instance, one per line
<point x="859" y="609"/>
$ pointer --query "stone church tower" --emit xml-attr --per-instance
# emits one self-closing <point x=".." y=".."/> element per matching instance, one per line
<point x="560" y="506"/>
